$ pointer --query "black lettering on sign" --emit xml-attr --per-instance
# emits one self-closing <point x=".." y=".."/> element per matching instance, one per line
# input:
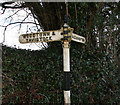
<point x="33" y="35"/>
<point x="29" y="40"/>
<point x="53" y="33"/>
<point x="48" y="33"/>
<point x="24" y="36"/>
<point x="77" y="38"/>
<point x="30" y="36"/>
<point x="32" y="40"/>
<point x="37" y="39"/>
<point x="44" y="34"/>
<point x="40" y="34"/>
<point x="40" y="38"/>
<point x="26" y="40"/>
<point x="27" y="36"/>
<point x="45" y="39"/>
<point x="50" y="38"/>
<point x="61" y="33"/>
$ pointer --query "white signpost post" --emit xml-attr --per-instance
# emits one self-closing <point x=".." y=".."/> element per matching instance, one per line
<point x="65" y="35"/>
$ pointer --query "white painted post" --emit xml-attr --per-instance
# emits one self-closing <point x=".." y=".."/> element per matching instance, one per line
<point x="66" y="63"/>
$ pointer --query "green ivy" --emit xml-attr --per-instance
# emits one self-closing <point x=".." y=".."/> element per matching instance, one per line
<point x="37" y="76"/>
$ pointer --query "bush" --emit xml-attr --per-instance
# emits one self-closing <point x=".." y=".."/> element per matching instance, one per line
<point x="37" y="76"/>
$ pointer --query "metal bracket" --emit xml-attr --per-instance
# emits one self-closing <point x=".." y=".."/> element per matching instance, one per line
<point x="65" y="44"/>
<point x="67" y="33"/>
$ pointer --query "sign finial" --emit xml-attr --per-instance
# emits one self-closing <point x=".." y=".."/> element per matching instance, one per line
<point x="65" y="19"/>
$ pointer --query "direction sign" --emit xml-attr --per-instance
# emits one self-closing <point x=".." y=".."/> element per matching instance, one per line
<point x="49" y="36"/>
<point x="46" y="36"/>
<point x="78" y="38"/>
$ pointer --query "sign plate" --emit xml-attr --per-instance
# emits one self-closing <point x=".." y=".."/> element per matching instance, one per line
<point x="46" y="36"/>
<point x="78" y="38"/>
<point x="49" y="36"/>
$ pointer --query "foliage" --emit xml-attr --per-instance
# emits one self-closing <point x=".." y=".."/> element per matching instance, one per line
<point x="37" y="76"/>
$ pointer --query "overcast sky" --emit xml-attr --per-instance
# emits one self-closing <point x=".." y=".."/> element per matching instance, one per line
<point x="12" y="33"/>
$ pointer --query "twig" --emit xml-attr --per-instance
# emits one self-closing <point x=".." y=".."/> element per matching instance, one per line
<point x="10" y="80"/>
<point x="13" y="14"/>
<point x="38" y="29"/>
<point x="23" y="21"/>
<point x="12" y="24"/>
<point x="76" y="11"/>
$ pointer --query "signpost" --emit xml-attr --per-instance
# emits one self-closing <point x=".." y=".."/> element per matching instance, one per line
<point x="49" y="36"/>
<point x="65" y="35"/>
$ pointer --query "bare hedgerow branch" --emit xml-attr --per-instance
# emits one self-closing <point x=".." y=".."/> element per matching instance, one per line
<point x="13" y="24"/>
<point x="38" y="29"/>
<point x="13" y="14"/>
<point x="15" y="5"/>
<point x="23" y="21"/>
<point x="34" y="17"/>
<point x="18" y="23"/>
<point x="11" y="81"/>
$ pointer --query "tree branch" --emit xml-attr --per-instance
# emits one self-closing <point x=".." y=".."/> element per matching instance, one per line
<point x="12" y="24"/>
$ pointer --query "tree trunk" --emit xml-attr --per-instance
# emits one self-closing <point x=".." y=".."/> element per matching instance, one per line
<point x="49" y="15"/>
